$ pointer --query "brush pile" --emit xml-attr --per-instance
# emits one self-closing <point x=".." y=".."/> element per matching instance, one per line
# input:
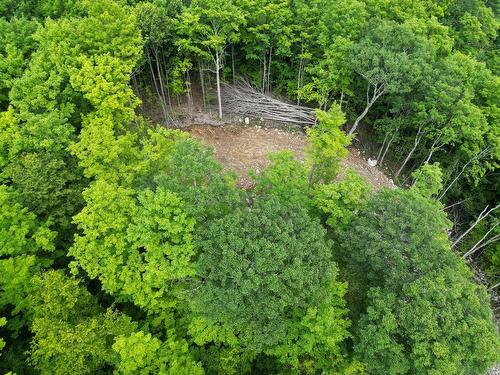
<point x="242" y="99"/>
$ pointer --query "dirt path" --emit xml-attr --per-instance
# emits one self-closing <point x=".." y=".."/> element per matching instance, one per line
<point x="243" y="148"/>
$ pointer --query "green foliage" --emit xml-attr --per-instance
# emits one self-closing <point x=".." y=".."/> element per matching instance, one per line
<point x="428" y="180"/>
<point x="340" y="201"/>
<point x="327" y="145"/>
<point x="3" y="322"/>
<point x="195" y="176"/>
<point x="71" y="333"/>
<point x="423" y="312"/>
<point x="138" y="245"/>
<point x="26" y="246"/>
<point x="390" y="57"/>
<point x="232" y="281"/>
<point x="396" y="237"/>
<point x="285" y="178"/>
<point x="440" y="323"/>
<point x="143" y="354"/>
<point x="207" y="26"/>
<point x="16" y="46"/>
<point x="314" y="343"/>
<point x="260" y="268"/>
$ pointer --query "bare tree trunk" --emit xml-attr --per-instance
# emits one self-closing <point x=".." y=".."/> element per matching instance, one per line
<point x="382" y="147"/>
<point x="232" y="61"/>
<point x="341" y="98"/>
<point x="269" y="70"/>
<point x="378" y="91"/>
<point x="168" y="91"/>
<point x="217" y="74"/>
<point x="433" y="149"/>
<point x="153" y="78"/>
<point x="481" y="244"/>
<point x="481" y="216"/>
<point x="299" y="75"/>
<point x="188" y="90"/>
<point x="156" y="88"/>
<point x="167" y="83"/>
<point x="264" y="73"/>
<point x="202" y="81"/>
<point x="418" y="138"/>
<point x="479" y="155"/>
<point x="162" y="89"/>
<point x="386" y="149"/>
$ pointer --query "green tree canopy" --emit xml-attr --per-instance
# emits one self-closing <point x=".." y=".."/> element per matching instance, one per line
<point x="260" y="268"/>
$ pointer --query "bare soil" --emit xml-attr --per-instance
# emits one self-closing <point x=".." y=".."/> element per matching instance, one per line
<point x="241" y="149"/>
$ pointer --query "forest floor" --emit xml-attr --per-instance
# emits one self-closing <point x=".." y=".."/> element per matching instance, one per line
<point x="242" y="148"/>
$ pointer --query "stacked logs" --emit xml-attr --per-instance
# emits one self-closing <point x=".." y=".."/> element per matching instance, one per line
<point x="244" y="100"/>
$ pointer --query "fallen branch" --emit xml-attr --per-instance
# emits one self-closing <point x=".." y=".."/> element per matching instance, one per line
<point x="244" y="100"/>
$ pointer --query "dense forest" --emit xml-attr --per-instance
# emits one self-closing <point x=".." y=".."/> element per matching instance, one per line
<point x="127" y="248"/>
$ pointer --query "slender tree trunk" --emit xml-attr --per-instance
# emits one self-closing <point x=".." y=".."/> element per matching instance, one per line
<point x="483" y="152"/>
<point x="481" y="244"/>
<point x="386" y="149"/>
<point x="300" y="74"/>
<point x="202" y="81"/>
<point x="418" y="138"/>
<point x="153" y="78"/>
<point x="162" y="89"/>
<point x="264" y="73"/>
<point x="232" y="62"/>
<point x="341" y="98"/>
<point x="217" y="74"/>
<point x="480" y="218"/>
<point x="167" y="81"/>
<point x="378" y="91"/>
<point x="382" y="147"/>
<point x="269" y="70"/>
<point x="156" y="88"/>
<point x="188" y="90"/>
<point x="298" y="82"/>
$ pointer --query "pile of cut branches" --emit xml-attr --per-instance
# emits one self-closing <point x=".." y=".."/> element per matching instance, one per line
<point x="242" y="99"/>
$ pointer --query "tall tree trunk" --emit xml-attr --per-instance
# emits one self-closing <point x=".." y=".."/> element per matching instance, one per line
<point x="156" y="87"/>
<point x="269" y="69"/>
<point x="481" y="243"/>
<point x="371" y="98"/>
<point x="264" y="73"/>
<point x="478" y="156"/>
<point x="188" y="90"/>
<point x="167" y="81"/>
<point x="233" y="64"/>
<point x="202" y="81"/>
<point x="217" y="75"/>
<point x="386" y="149"/>
<point x="480" y="218"/>
<point x="382" y="147"/>
<point x="162" y="89"/>
<point x="418" y="138"/>
<point x="300" y="74"/>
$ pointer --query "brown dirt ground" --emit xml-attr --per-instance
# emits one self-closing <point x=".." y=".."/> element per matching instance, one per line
<point x="241" y="149"/>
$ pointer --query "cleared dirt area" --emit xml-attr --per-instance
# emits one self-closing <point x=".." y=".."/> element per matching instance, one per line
<point x="243" y="148"/>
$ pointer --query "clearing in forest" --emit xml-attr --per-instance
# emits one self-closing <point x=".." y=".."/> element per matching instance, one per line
<point x="241" y="149"/>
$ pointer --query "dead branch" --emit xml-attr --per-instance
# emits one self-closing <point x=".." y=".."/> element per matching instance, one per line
<point x="244" y="100"/>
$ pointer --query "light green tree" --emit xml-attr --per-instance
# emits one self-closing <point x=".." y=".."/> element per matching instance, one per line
<point x="207" y="27"/>
<point x="327" y="145"/>
<point x="139" y="245"/>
